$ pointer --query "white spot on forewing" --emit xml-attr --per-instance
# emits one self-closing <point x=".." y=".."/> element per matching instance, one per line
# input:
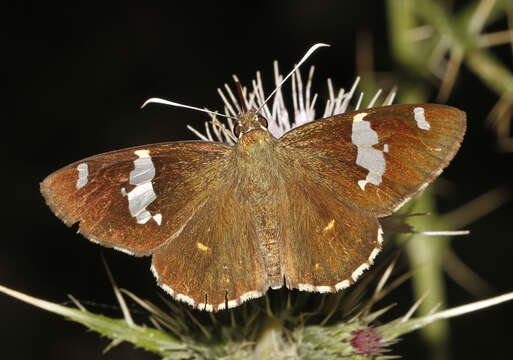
<point x="83" y="173"/>
<point x="142" y="153"/>
<point x="385" y="148"/>
<point x="359" y="117"/>
<point x="144" y="170"/>
<point x="140" y="197"/>
<point x="367" y="157"/>
<point x="418" y="113"/>
<point x="158" y="218"/>
<point x="372" y="177"/>
<point x="143" y="217"/>
<point x="143" y="194"/>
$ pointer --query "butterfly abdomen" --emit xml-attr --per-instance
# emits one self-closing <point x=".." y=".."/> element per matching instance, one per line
<point x="259" y="188"/>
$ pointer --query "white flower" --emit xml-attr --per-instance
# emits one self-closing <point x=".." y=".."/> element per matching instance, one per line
<point x="276" y="111"/>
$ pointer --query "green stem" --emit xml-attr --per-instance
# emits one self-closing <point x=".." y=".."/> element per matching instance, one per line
<point x="491" y="72"/>
<point x="425" y="254"/>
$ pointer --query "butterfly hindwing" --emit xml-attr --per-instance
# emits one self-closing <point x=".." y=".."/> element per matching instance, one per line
<point x="215" y="262"/>
<point x="376" y="159"/>
<point x="327" y="244"/>
<point x="123" y="200"/>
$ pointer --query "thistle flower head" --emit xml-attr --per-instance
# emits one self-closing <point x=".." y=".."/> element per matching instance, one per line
<point x="282" y="118"/>
<point x="367" y="342"/>
<point x="340" y="326"/>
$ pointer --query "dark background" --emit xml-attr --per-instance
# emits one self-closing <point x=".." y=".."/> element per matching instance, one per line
<point x="77" y="76"/>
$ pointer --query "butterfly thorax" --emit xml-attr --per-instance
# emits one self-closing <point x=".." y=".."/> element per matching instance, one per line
<point x="260" y="185"/>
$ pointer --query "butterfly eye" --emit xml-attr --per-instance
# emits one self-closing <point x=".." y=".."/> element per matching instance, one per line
<point x="263" y="121"/>
<point x="236" y="130"/>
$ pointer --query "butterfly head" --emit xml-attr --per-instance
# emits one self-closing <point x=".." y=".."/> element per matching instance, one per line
<point x="248" y="121"/>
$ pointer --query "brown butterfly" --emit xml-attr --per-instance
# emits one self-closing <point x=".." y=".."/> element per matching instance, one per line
<point x="223" y="223"/>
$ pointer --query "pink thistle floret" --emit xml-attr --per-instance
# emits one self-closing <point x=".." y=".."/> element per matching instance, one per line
<point x="367" y="342"/>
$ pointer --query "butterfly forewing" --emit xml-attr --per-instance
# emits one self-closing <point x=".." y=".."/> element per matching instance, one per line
<point x="137" y="199"/>
<point x="375" y="159"/>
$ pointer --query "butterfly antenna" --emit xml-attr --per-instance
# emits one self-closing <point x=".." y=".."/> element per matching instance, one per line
<point x="171" y="103"/>
<point x="241" y="96"/>
<point x="218" y="124"/>
<point x="303" y="59"/>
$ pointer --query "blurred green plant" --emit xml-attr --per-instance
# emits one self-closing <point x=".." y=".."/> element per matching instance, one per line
<point x="430" y="43"/>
